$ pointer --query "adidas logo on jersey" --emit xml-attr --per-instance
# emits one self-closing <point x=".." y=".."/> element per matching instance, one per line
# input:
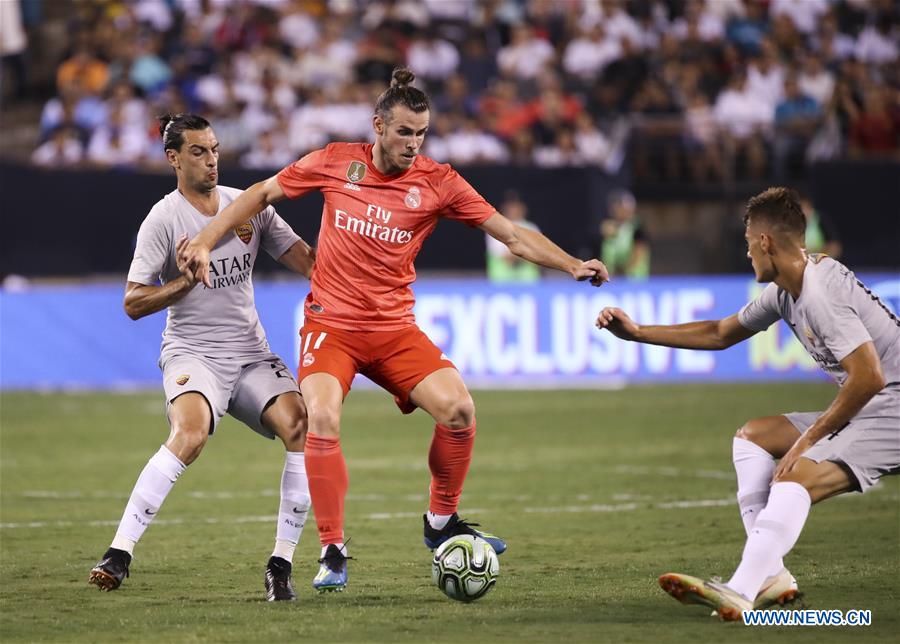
<point x="352" y="186"/>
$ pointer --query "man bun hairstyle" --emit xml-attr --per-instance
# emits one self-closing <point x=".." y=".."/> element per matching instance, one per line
<point x="401" y="92"/>
<point x="172" y="127"/>
<point x="779" y="208"/>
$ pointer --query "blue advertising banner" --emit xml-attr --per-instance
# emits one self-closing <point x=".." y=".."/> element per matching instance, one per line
<point x="511" y="336"/>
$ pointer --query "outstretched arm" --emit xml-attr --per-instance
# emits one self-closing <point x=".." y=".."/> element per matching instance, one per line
<point x="300" y="258"/>
<point x="865" y="378"/>
<point x="254" y="199"/>
<point x="534" y="247"/>
<point x="709" y="334"/>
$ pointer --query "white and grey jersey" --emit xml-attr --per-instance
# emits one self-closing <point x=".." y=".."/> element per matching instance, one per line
<point x="833" y="316"/>
<point x="217" y="322"/>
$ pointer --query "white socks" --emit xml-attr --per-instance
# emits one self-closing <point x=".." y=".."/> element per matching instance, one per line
<point x="438" y="521"/>
<point x="754" y="467"/>
<point x="154" y="483"/>
<point x="294" y="506"/>
<point x="775" y="532"/>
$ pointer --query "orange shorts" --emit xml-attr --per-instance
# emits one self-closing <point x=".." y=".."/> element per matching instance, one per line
<point x="394" y="360"/>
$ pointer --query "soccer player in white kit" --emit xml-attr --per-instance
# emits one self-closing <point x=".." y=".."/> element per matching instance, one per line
<point x="215" y="357"/>
<point x="855" y="339"/>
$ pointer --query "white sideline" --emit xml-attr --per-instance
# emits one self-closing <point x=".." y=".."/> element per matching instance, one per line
<point x="387" y="516"/>
<point x="384" y="516"/>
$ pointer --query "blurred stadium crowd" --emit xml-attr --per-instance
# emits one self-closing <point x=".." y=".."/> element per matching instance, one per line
<point x="698" y="90"/>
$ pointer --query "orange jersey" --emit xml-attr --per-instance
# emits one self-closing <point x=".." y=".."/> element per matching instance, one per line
<point x="373" y="226"/>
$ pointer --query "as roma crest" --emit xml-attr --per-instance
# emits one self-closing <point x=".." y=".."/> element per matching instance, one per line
<point x="180" y="380"/>
<point x="244" y="232"/>
<point x="357" y="171"/>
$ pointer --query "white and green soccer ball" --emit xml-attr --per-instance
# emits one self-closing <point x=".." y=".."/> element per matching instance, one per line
<point x="465" y="567"/>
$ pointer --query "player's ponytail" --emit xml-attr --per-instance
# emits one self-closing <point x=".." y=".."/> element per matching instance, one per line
<point x="172" y="127"/>
<point x="401" y="92"/>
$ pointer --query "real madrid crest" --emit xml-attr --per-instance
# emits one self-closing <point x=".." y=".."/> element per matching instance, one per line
<point x="413" y="198"/>
<point x="244" y="232"/>
<point x="356" y="172"/>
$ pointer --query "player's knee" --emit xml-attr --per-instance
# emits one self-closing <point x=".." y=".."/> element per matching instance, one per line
<point x="324" y="421"/>
<point x="752" y="431"/>
<point x="187" y="440"/>
<point x="293" y="434"/>
<point x="458" y="413"/>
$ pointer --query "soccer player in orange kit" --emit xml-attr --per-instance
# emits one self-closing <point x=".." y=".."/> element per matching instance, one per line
<point x="381" y="203"/>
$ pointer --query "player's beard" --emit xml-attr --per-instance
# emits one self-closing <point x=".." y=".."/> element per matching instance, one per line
<point x="205" y="184"/>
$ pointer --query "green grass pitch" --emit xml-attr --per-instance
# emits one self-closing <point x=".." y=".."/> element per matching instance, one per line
<point x="597" y="493"/>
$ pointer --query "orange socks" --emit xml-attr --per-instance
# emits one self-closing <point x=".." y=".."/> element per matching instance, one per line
<point x="448" y="458"/>
<point x="327" y="474"/>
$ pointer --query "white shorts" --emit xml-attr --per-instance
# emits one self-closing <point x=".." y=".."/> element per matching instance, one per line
<point x="868" y="446"/>
<point x="240" y="387"/>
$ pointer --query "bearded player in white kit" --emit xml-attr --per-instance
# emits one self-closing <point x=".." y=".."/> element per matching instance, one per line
<point x="855" y="339"/>
<point x="215" y="357"/>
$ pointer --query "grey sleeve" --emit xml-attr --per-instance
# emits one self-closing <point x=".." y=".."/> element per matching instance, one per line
<point x="833" y="317"/>
<point x="154" y="244"/>
<point x="276" y="236"/>
<point x="762" y="312"/>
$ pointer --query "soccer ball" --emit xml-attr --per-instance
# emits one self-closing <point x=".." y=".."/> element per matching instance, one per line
<point x="465" y="567"/>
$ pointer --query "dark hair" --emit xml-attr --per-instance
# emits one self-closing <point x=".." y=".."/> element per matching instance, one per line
<point x="778" y="207"/>
<point x="401" y="92"/>
<point x="172" y="127"/>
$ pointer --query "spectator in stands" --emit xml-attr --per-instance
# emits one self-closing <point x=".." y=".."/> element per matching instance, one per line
<point x="149" y="71"/>
<point x="804" y="15"/>
<point x="297" y="28"/>
<point x="814" y="80"/>
<point x="876" y="128"/>
<point x="521" y="148"/>
<point x="765" y="74"/>
<point x="743" y="119"/>
<point x="620" y="26"/>
<point x="697" y="16"/>
<point x="85" y="71"/>
<point x="549" y="112"/>
<point x="704" y="154"/>
<point x="328" y="63"/>
<point x="830" y="43"/>
<point x="63" y="148"/>
<point x="563" y="152"/>
<point x="625" y="249"/>
<point x="877" y="43"/>
<point x="593" y="146"/>
<point x="117" y="142"/>
<point x="658" y="133"/>
<point x="526" y="55"/>
<point x="456" y="97"/>
<point x="468" y="143"/>
<point x="196" y="51"/>
<point x="433" y="58"/>
<point x="586" y="56"/>
<point x="502" y="266"/>
<point x="269" y="152"/>
<point x="133" y="108"/>
<point x="477" y="64"/>
<point x="71" y="109"/>
<point x="748" y="30"/>
<point x="797" y="117"/>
